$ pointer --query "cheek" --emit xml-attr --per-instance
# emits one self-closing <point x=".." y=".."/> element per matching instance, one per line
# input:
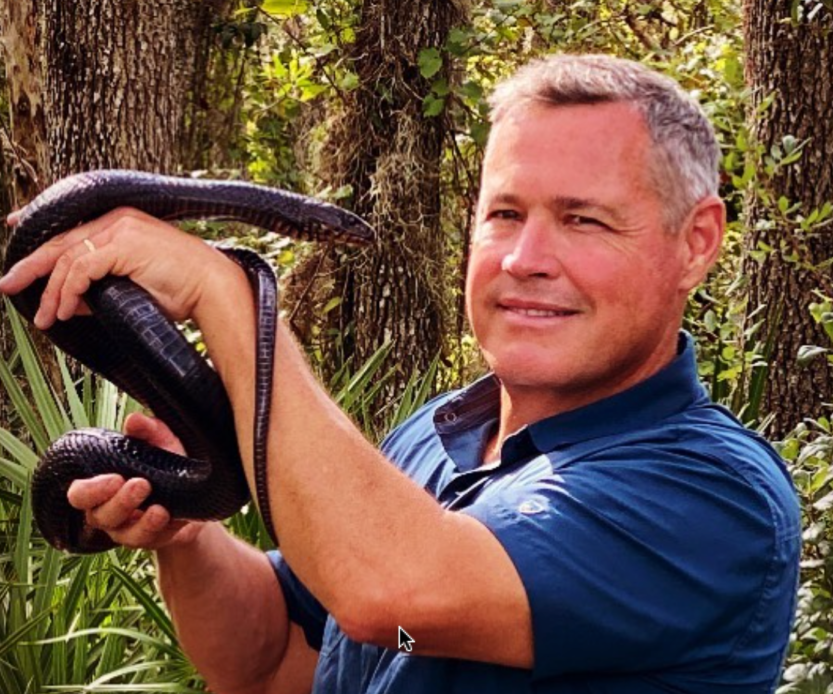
<point x="641" y="288"/>
<point x="482" y="267"/>
<point x="612" y="279"/>
<point x="483" y="274"/>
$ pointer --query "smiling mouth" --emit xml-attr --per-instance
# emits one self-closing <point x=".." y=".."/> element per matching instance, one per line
<point x="539" y="312"/>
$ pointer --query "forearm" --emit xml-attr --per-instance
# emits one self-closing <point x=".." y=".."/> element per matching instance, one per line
<point x="228" y="610"/>
<point x="346" y="518"/>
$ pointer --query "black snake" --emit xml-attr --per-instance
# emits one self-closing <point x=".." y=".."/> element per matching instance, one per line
<point x="130" y="342"/>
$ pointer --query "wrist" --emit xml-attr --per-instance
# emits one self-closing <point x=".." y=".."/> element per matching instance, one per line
<point x="224" y="285"/>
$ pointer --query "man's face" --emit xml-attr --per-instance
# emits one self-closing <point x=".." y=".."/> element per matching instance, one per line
<point x="575" y="290"/>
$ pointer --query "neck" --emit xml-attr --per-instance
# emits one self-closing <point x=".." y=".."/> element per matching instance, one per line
<point x="522" y="405"/>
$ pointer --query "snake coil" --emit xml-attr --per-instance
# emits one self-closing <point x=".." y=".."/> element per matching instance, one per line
<point x="129" y="341"/>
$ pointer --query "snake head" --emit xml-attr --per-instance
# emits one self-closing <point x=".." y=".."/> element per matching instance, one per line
<point x="356" y="231"/>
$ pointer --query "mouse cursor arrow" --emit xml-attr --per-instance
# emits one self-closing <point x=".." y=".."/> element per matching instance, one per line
<point x="405" y="640"/>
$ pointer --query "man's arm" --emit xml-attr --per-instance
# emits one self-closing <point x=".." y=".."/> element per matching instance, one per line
<point x="372" y="546"/>
<point x="231" y="616"/>
<point x="225" y="600"/>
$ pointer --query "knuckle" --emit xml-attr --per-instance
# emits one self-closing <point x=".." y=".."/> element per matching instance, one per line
<point x="143" y="534"/>
<point x="125" y="212"/>
<point x="57" y="241"/>
<point x="125" y="218"/>
<point x="103" y="237"/>
<point x="64" y="261"/>
<point x="96" y="519"/>
<point x="81" y="264"/>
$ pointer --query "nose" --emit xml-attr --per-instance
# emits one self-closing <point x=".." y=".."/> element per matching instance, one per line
<point x="534" y="251"/>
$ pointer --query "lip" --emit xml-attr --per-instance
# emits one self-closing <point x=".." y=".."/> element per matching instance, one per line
<point x="536" y="309"/>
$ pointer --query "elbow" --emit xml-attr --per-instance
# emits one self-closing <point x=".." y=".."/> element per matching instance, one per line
<point x="373" y="615"/>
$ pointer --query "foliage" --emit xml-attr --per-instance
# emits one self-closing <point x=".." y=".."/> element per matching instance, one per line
<point x="809" y="452"/>
<point x="286" y="61"/>
<point x="96" y="622"/>
<point x="67" y="622"/>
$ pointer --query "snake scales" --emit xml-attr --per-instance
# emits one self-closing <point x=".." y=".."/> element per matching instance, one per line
<point x="130" y="342"/>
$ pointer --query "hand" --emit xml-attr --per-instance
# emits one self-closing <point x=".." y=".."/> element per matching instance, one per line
<point x="165" y="261"/>
<point x="112" y="505"/>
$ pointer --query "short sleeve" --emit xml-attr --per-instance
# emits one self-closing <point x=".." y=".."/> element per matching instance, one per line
<point x="301" y="606"/>
<point x="627" y="566"/>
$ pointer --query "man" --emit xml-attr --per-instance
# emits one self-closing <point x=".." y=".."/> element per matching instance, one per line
<point x="581" y="520"/>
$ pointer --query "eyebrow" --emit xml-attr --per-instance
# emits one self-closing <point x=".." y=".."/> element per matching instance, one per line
<point x="569" y="203"/>
<point x="564" y="203"/>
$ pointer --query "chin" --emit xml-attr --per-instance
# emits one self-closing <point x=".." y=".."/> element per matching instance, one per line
<point x="528" y="372"/>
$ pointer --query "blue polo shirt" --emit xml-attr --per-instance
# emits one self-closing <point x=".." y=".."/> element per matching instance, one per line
<point x="657" y="539"/>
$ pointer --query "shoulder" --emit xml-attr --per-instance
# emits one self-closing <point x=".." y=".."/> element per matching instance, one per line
<point x="713" y="438"/>
<point x="700" y="488"/>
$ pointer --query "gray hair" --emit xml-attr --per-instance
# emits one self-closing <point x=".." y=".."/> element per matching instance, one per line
<point x="684" y="161"/>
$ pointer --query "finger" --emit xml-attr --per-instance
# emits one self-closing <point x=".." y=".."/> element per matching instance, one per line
<point x="41" y="261"/>
<point x="155" y="529"/>
<point x="71" y="276"/>
<point x="89" y="493"/>
<point x="153" y="431"/>
<point x="61" y="265"/>
<point x="148" y="531"/>
<point x="118" y="510"/>
<point x="13" y="218"/>
<point x="96" y="263"/>
<point x="37" y="264"/>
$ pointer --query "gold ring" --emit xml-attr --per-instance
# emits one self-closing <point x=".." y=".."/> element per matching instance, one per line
<point x="89" y="244"/>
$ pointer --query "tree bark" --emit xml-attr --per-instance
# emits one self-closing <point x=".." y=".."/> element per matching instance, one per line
<point x="97" y="84"/>
<point x="791" y="63"/>
<point x="389" y="153"/>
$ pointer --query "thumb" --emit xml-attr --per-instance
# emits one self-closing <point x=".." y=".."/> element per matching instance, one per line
<point x="153" y="431"/>
<point x="13" y="218"/>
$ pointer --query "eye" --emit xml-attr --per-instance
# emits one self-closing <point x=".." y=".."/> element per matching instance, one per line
<point x="578" y="220"/>
<point x="503" y="214"/>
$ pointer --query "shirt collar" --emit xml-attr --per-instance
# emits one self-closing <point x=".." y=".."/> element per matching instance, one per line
<point x="473" y="412"/>
<point x="668" y="392"/>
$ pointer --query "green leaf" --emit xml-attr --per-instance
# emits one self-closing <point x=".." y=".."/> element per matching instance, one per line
<point x="48" y="406"/>
<point x="284" y="8"/>
<point x="16" y="474"/>
<point x="430" y="61"/>
<point x="323" y="19"/>
<point x="471" y="90"/>
<point x="349" y="80"/>
<point x="331" y="304"/>
<point x="76" y="407"/>
<point x="440" y="87"/>
<point x="23" y="455"/>
<point x="148" y="602"/>
<point x="457" y="41"/>
<point x="159" y="644"/>
<point x="9" y="641"/>
<point x="432" y="106"/>
<point x="479" y="133"/>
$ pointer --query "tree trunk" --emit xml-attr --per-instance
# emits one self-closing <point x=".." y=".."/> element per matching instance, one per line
<point x="791" y="63"/>
<point x="97" y="84"/>
<point x="389" y="153"/>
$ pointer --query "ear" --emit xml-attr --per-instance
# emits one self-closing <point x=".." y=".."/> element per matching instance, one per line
<point x="703" y="238"/>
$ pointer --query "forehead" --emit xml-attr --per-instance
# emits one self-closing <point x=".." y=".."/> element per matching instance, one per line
<point x="576" y="146"/>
